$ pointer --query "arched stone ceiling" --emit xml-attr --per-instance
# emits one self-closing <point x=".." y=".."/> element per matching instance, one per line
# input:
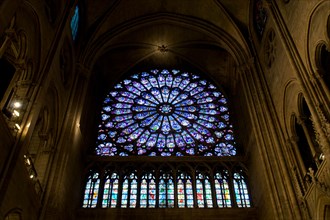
<point x="196" y="34"/>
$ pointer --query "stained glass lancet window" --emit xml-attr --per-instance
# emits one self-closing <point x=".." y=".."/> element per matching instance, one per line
<point x="110" y="192"/>
<point x="185" y="191"/>
<point x="75" y="22"/>
<point x="148" y="191"/>
<point x="166" y="191"/>
<point x="222" y="189"/>
<point x="203" y="191"/>
<point x="91" y="191"/>
<point x="241" y="191"/>
<point x="129" y="191"/>
<point x="165" y="113"/>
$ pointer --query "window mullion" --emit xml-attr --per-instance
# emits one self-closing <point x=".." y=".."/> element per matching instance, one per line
<point x="232" y="189"/>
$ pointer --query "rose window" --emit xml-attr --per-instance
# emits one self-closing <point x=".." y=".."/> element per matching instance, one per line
<point x="165" y="113"/>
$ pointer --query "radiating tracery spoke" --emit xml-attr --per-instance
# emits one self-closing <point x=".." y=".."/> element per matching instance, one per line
<point x="165" y="113"/>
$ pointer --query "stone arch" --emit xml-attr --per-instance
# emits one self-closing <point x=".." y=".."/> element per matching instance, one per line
<point x="222" y="39"/>
<point x="14" y="214"/>
<point x="318" y="55"/>
<point x="322" y="208"/>
<point x="28" y="31"/>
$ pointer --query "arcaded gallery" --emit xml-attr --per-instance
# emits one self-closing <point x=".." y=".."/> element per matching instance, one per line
<point x="165" y="109"/>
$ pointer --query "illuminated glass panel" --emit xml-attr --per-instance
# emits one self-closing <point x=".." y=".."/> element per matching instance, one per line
<point x="241" y="192"/>
<point x="129" y="191"/>
<point x="222" y="190"/>
<point x="208" y="193"/>
<point x="166" y="191"/>
<point x="110" y="192"/>
<point x="203" y="191"/>
<point x="165" y="113"/>
<point x="185" y="191"/>
<point x="91" y="191"/>
<point x="148" y="191"/>
<point x="200" y="193"/>
<point x="75" y="23"/>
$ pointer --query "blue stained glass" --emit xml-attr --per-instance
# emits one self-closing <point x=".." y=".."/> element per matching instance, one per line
<point x="124" y="99"/>
<point x="179" y="141"/>
<point x="122" y="105"/>
<point x="118" y="86"/>
<point x="161" y="142"/>
<point x="186" y="115"/>
<point x="140" y="108"/>
<point x="107" y="108"/>
<point x="144" y="137"/>
<point x="165" y="113"/>
<point x="152" y="140"/>
<point x="185" y="102"/>
<point x="139" y="86"/>
<point x="190" y="151"/>
<point x="169" y="81"/>
<point x="105" y="117"/>
<point x="241" y="192"/>
<point x="122" y="118"/>
<point x="128" y="94"/>
<point x="136" y="133"/>
<point x="91" y="191"/>
<point x="219" y="134"/>
<point x="166" y="126"/>
<point x="181" y="97"/>
<point x="181" y="120"/>
<point x="75" y="23"/>
<point x="195" y="134"/>
<point x="174" y="124"/>
<point x="204" y="131"/>
<point x="161" y="81"/>
<point x="129" y="147"/>
<point x="165" y="93"/>
<point x="130" y="129"/>
<point x="153" y="82"/>
<point x="165" y="72"/>
<point x="170" y="142"/>
<point x="133" y="90"/>
<point x="107" y="100"/>
<point x="144" y="74"/>
<point x="157" y="124"/>
<point x="197" y="90"/>
<point x="121" y="111"/>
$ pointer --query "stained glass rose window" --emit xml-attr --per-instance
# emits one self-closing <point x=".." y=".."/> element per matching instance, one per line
<point x="165" y="113"/>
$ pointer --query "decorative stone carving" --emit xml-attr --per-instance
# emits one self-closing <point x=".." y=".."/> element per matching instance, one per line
<point x="325" y="126"/>
<point x="260" y="17"/>
<point x="270" y="48"/>
<point x="10" y="35"/>
<point x="319" y="184"/>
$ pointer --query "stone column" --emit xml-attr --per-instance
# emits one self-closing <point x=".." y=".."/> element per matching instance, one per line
<point x="293" y="141"/>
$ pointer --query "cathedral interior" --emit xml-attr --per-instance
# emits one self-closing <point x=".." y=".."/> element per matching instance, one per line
<point x="168" y="109"/>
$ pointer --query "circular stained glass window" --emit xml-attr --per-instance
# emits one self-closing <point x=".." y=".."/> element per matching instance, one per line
<point x="165" y="113"/>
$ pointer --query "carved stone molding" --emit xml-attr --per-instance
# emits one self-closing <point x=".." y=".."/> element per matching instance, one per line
<point x="325" y="126"/>
<point x="270" y="48"/>
<point x="322" y="186"/>
<point x="10" y="35"/>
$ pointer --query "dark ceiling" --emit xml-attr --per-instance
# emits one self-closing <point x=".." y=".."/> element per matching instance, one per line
<point x="200" y="35"/>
